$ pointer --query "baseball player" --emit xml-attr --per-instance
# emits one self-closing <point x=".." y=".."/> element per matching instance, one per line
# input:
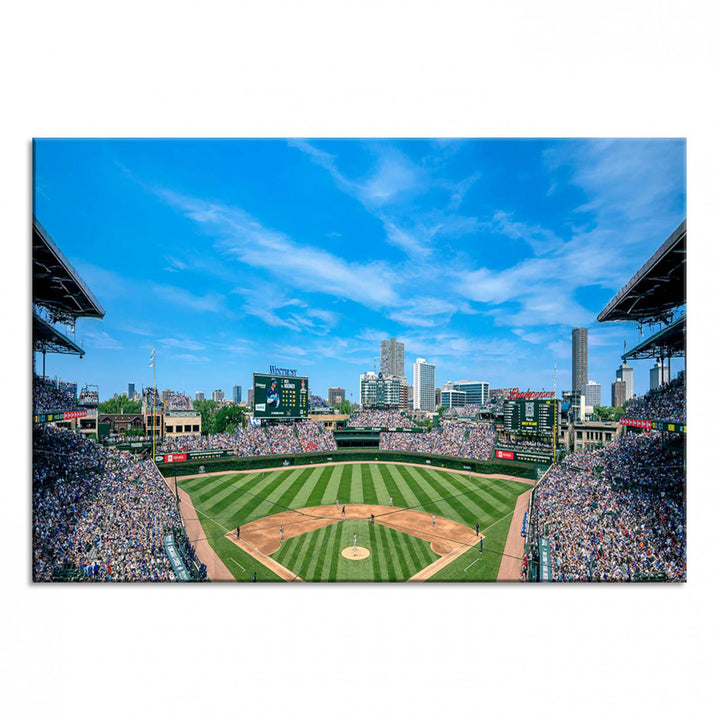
<point x="391" y="502"/>
<point x="433" y="521"/>
<point x="282" y="532"/>
<point x="355" y="543"/>
<point x="343" y="511"/>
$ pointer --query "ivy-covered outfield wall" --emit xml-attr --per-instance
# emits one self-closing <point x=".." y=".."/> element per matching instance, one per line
<point x="230" y="464"/>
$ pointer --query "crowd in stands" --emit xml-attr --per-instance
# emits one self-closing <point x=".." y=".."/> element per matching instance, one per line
<point x="463" y="411"/>
<point x="98" y="513"/>
<point x="666" y="403"/>
<point x="317" y="403"/>
<point x="451" y="438"/>
<point x="50" y="395"/>
<point x="616" y="514"/>
<point x="281" y="439"/>
<point x="177" y="401"/>
<point x="380" y="418"/>
<point x="314" y="438"/>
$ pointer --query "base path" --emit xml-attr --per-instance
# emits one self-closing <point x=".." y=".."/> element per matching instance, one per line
<point x="511" y="563"/>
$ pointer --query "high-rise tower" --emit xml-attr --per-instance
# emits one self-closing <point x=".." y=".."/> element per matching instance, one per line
<point x="579" y="358"/>
<point x="392" y="357"/>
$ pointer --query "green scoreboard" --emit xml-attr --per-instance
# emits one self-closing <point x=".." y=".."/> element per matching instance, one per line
<point x="529" y="417"/>
<point x="280" y="396"/>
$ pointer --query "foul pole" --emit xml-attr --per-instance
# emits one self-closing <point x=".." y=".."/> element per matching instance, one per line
<point x="152" y="362"/>
<point x="554" y="411"/>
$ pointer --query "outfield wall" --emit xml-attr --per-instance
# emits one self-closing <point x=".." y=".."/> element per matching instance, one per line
<point x="230" y="464"/>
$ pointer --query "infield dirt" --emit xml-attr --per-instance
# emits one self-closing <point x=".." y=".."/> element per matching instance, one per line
<point x="261" y="538"/>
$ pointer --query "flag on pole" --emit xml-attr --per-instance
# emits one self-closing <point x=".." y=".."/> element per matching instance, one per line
<point x="152" y="358"/>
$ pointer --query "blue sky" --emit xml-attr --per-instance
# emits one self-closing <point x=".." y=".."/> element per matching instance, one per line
<point x="231" y="255"/>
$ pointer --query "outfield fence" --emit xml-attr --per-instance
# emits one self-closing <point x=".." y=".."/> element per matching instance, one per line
<point x="193" y="466"/>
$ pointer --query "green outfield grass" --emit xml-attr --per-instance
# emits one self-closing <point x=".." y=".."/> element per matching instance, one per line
<point x="225" y="501"/>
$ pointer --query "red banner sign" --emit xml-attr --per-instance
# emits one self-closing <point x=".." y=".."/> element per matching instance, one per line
<point x="74" y="414"/>
<point x="504" y="454"/>
<point x="178" y="457"/>
<point x="634" y="422"/>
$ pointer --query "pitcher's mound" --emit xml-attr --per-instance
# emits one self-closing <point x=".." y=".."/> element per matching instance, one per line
<point x="360" y="554"/>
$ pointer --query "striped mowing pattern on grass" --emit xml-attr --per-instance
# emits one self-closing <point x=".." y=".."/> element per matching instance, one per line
<point x="317" y="555"/>
<point x="226" y="501"/>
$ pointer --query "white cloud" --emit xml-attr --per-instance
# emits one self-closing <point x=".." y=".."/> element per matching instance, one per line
<point x="188" y="357"/>
<point x="538" y="238"/>
<point x="183" y="343"/>
<point x="428" y="311"/>
<point x="242" y="237"/>
<point x="99" y="340"/>
<point x="179" y="297"/>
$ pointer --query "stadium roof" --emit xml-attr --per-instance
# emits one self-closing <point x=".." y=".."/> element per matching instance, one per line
<point x="668" y="341"/>
<point x="657" y="288"/>
<point x="47" y="339"/>
<point x="56" y="284"/>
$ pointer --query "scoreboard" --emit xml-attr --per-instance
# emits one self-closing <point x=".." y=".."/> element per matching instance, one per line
<point x="280" y="396"/>
<point x="529" y="417"/>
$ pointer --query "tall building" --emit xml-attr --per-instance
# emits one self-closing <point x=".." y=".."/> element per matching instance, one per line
<point x="378" y="391"/>
<point x="625" y="373"/>
<point x="218" y="396"/>
<point x="405" y="393"/>
<point x="423" y="385"/>
<point x="131" y="390"/>
<point x="199" y="396"/>
<point x="392" y="358"/>
<point x="593" y="393"/>
<point x="478" y="392"/>
<point x="450" y="397"/>
<point x="659" y="375"/>
<point x="619" y="393"/>
<point x="237" y="394"/>
<point x="336" y="395"/>
<point x="579" y="358"/>
<point x="251" y="397"/>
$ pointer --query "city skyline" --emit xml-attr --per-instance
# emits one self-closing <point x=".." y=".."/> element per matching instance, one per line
<point x="231" y="256"/>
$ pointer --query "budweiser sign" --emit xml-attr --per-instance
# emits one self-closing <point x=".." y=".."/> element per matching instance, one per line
<point x="516" y="394"/>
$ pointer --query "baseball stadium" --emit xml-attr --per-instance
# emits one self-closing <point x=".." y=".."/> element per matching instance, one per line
<point x="507" y="491"/>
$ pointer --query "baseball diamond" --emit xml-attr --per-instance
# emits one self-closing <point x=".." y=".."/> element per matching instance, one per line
<point x="240" y="516"/>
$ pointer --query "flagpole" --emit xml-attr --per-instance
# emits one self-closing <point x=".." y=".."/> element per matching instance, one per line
<point x="555" y="412"/>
